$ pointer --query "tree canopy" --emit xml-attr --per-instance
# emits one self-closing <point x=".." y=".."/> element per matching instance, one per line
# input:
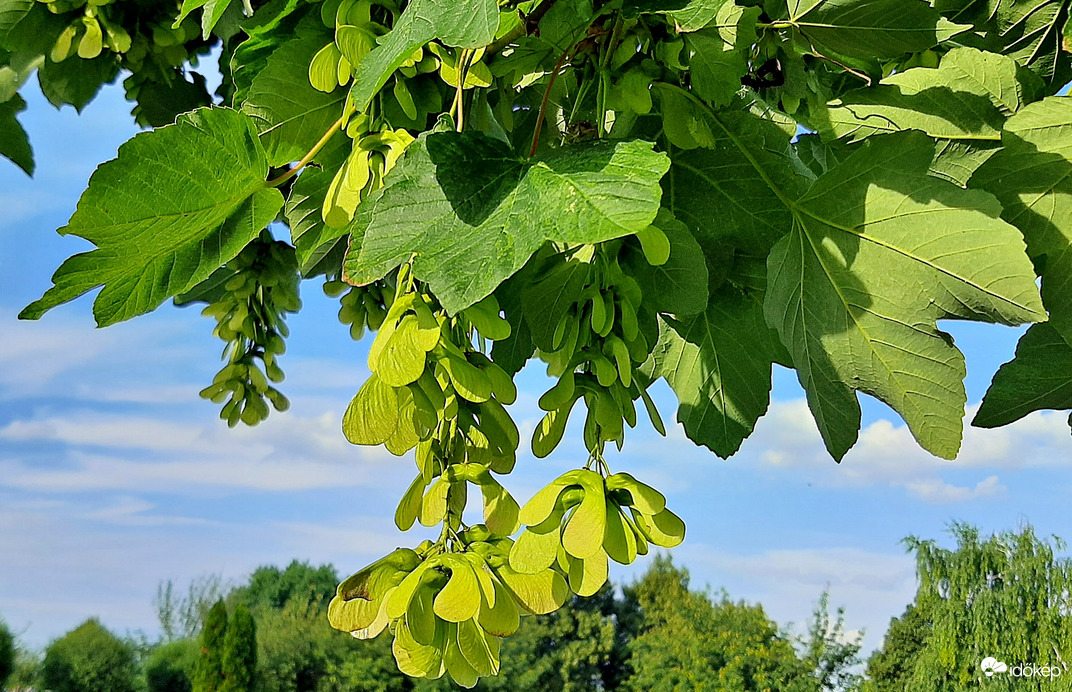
<point x="1004" y="597"/>
<point x="625" y="190"/>
<point x="89" y="658"/>
<point x="208" y="674"/>
<point x="7" y="654"/>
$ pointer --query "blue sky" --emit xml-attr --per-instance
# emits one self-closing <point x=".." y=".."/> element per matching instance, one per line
<point x="114" y="475"/>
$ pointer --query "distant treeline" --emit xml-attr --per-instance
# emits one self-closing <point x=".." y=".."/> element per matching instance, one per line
<point x="1005" y="597"/>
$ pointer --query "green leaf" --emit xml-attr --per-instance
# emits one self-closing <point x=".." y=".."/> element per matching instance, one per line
<point x="14" y="144"/>
<point x="582" y="534"/>
<point x="1032" y="178"/>
<point x="160" y="102"/>
<point x="359" y="597"/>
<point x="869" y="29"/>
<point x="878" y="253"/>
<point x="414" y="658"/>
<point x="175" y="205"/>
<point x="966" y="98"/>
<point x="963" y="103"/>
<point x="687" y="15"/>
<point x="500" y="508"/>
<point x="718" y="57"/>
<point x="479" y="649"/>
<point x="550" y="291"/>
<point x="401" y="360"/>
<point x="76" y="81"/>
<point x="679" y="286"/>
<point x="213" y="11"/>
<point x="664" y="529"/>
<point x="473" y="213"/>
<point x="732" y="180"/>
<point x="534" y="552"/>
<point x="28" y="27"/>
<point x="502" y="619"/>
<point x="11" y="13"/>
<point x="1038" y="378"/>
<point x="1031" y="32"/>
<point x="958" y="161"/>
<point x="538" y="593"/>
<point x="459" y="24"/>
<point x="719" y="366"/>
<point x="457" y="667"/>
<point x="289" y="113"/>
<point x="188" y="6"/>
<point x="272" y="25"/>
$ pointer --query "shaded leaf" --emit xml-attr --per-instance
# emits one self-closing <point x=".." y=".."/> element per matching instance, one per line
<point x="1038" y="378"/>
<point x="869" y="29"/>
<point x="880" y="251"/>
<point x="719" y="365"/>
<point x="459" y="24"/>
<point x="1032" y="178"/>
<point x="473" y="213"/>
<point x="14" y="143"/>
<point x="290" y="114"/>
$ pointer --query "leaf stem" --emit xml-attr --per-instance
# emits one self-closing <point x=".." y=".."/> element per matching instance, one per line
<point x="543" y="103"/>
<point x="775" y="25"/>
<point x="465" y="59"/>
<point x="276" y="182"/>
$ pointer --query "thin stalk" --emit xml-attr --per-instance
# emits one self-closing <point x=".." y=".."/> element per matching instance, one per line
<point x="276" y="182"/>
<point x="543" y="103"/>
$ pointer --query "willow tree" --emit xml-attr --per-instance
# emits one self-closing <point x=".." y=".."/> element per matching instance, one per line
<point x="618" y="188"/>
<point x="1007" y="597"/>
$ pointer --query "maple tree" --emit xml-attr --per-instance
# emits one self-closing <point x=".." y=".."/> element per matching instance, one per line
<point x="627" y="190"/>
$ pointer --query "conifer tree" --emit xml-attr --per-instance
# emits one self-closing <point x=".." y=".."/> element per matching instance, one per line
<point x="240" y="652"/>
<point x="7" y="654"/>
<point x="208" y="677"/>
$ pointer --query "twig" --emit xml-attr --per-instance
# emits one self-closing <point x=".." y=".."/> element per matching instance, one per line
<point x="543" y="103"/>
<point x="276" y="182"/>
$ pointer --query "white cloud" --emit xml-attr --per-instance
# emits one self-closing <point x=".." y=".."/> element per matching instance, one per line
<point x="937" y="491"/>
<point x="68" y="358"/>
<point x="106" y="451"/>
<point x="872" y="586"/>
<point x="886" y="454"/>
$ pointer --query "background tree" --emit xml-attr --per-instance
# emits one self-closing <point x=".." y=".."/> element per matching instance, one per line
<point x="575" y="648"/>
<point x="182" y="615"/>
<point x="890" y="668"/>
<point x="1005" y="596"/>
<point x="170" y="666"/>
<point x="271" y="587"/>
<point x="27" y="673"/>
<point x="208" y="675"/>
<point x="88" y="659"/>
<point x="827" y="649"/>
<point x="240" y="652"/>
<point x="689" y="642"/>
<point x="7" y="654"/>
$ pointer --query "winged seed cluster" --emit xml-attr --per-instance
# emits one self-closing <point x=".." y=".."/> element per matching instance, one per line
<point x="626" y="190"/>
